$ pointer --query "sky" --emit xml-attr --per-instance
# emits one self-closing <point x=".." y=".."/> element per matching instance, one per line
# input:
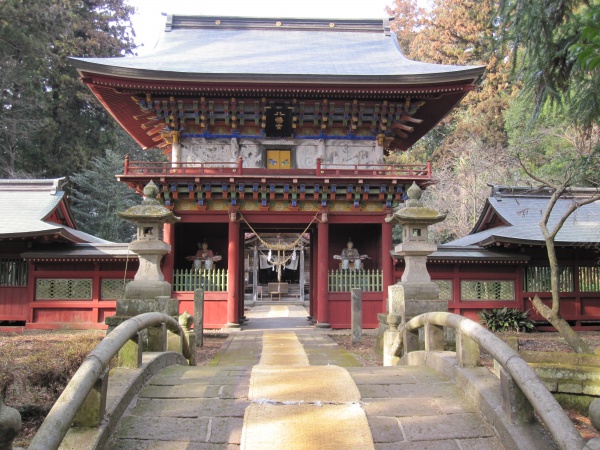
<point x="148" y="22"/>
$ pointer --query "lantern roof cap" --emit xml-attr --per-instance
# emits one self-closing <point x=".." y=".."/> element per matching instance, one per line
<point x="414" y="212"/>
<point x="151" y="210"/>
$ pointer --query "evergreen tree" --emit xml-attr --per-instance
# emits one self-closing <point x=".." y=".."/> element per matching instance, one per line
<point x="97" y="197"/>
<point x="556" y="53"/>
<point x="51" y="125"/>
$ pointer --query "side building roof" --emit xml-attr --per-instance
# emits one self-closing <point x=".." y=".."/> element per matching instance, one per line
<point x="470" y="254"/>
<point x="82" y="252"/>
<point x="36" y="209"/>
<point x="511" y="215"/>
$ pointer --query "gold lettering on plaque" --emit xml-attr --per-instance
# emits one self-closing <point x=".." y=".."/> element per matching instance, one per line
<point x="279" y="116"/>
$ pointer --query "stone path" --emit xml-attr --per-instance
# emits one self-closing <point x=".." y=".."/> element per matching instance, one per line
<point x="202" y="408"/>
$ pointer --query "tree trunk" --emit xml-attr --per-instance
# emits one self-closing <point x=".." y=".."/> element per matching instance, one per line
<point x="562" y="326"/>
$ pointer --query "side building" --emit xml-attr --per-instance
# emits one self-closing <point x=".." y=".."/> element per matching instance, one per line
<point x="504" y="262"/>
<point x="51" y="274"/>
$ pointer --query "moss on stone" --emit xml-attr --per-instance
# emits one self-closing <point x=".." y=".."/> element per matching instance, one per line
<point x="579" y="403"/>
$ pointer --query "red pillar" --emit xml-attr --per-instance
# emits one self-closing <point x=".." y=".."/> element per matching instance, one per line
<point x="322" y="269"/>
<point x="30" y="291"/>
<point x="169" y="259"/>
<point x="240" y="309"/>
<point x="314" y="264"/>
<point x="233" y="275"/>
<point x="386" y="264"/>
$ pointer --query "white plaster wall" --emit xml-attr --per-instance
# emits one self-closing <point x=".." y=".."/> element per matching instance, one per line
<point x="306" y="151"/>
<point x="207" y="150"/>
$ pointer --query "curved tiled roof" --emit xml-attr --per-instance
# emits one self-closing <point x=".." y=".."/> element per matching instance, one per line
<point x="463" y="252"/>
<point x="24" y="206"/>
<point x="521" y="210"/>
<point x="252" y="59"/>
<point x="205" y="48"/>
<point x="82" y="252"/>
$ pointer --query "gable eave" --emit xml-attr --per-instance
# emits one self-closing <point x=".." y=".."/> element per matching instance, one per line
<point x="145" y="76"/>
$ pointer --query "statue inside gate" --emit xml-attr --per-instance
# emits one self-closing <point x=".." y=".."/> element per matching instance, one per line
<point x="204" y="258"/>
<point x="350" y="255"/>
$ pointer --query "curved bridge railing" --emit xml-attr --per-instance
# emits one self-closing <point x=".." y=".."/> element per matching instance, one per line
<point x="470" y="337"/>
<point x="84" y="398"/>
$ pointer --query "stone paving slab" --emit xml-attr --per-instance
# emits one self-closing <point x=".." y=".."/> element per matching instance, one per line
<point x="237" y="391"/>
<point x="239" y="349"/>
<point x="306" y="427"/>
<point x="165" y="428"/>
<point x="446" y="426"/>
<point x="456" y="405"/>
<point x="423" y="445"/>
<point x="195" y="407"/>
<point x="226" y="430"/>
<point x="409" y="391"/>
<point x="219" y="380"/>
<point x="393" y="407"/>
<point x="176" y="375"/>
<point x="388" y="375"/>
<point x="492" y="443"/>
<point x="384" y="429"/>
<point x="188" y="390"/>
<point x="136" y="444"/>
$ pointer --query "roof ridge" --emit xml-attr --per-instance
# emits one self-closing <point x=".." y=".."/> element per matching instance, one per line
<point x="52" y="185"/>
<point x="180" y="21"/>
<point x="504" y="191"/>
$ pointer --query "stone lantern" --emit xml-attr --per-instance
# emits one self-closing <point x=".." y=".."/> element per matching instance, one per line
<point x="415" y="247"/>
<point x="415" y="294"/>
<point x="148" y="292"/>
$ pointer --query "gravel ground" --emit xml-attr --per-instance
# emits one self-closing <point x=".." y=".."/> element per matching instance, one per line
<point x="17" y="350"/>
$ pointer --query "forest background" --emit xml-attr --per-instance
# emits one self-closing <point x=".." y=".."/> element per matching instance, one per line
<point x="532" y="119"/>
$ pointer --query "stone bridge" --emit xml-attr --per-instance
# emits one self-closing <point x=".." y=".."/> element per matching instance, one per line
<point x="282" y="384"/>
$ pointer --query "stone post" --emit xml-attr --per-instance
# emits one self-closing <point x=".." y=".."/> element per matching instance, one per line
<point x="467" y="351"/>
<point x="514" y="403"/>
<point x="92" y="411"/>
<point x="389" y="337"/>
<point x="10" y="421"/>
<point x="186" y="321"/>
<point x="199" y="317"/>
<point x="157" y="338"/>
<point x="356" y="315"/>
<point x="130" y="355"/>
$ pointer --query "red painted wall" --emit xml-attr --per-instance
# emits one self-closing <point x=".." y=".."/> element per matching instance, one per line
<point x="13" y="303"/>
<point x="73" y="314"/>
<point x="340" y="309"/>
<point x="215" y="307"/>
<point x="581" y="309"/>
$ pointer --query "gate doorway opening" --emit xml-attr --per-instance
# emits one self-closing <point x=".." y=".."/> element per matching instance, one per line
<point x="277" y="266"/>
